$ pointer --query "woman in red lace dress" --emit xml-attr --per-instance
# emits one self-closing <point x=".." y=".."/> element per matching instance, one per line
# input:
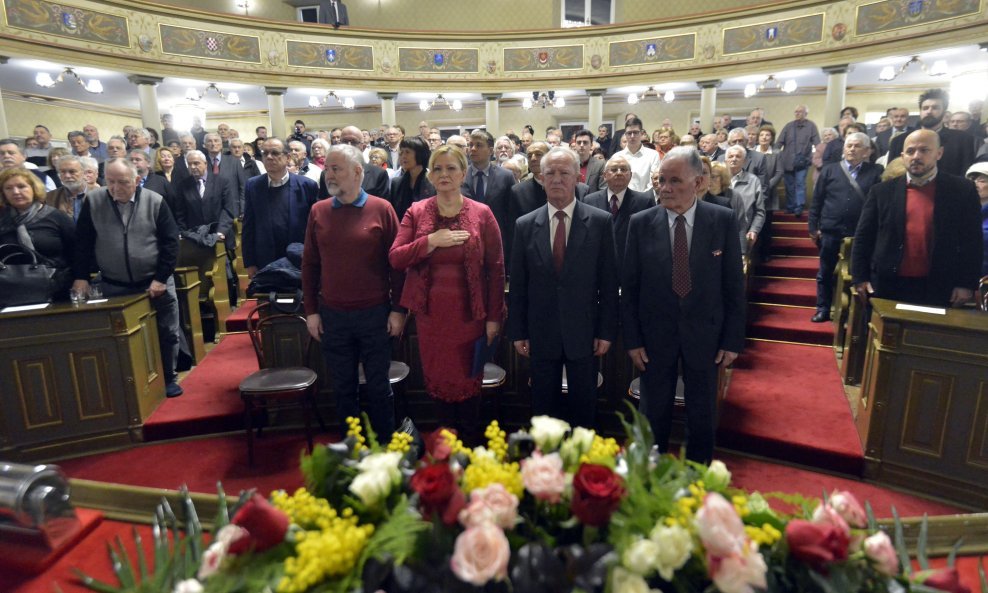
<point x="450" y="247"/>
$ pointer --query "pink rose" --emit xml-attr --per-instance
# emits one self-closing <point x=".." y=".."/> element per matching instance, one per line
<point x="816" y="544"/>
<point x="719" y="527"/>
<point x="945" y="579"/>
<point x="739" y="573"/>
<point x="494" y="504"/>
<point x="212" y="559"/>
<point x="543" y="476"/>
<point x="480" y="554"/>
<point x="828" y="515"/>
<point x="849" y="508"/>
<point x="878" y="548"/>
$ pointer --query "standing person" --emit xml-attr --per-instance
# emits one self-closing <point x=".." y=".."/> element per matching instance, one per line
<point x="978" y="173"/>
<point x="749" y="201"/>
<point x="412" y="184"/>
<point x="350" y="291"/>
<point x="69" y="197"/>
<point x="564" y="291"/>
<point x="682" y="301"/>
<point x="839" y="195"/>
<point x="958" y="147"/>
<point x="619" y="201"/>
<point x="796" y="142"/>
<point x="450" y="248"/>
<point x="129" y="235"/>
<point x="204" y="199"/>
<point x="919" y="239"/>
<point x="641" y="158"/>
<point x="591" y="169"/>
<point x="333" y="12"/>
<point x="773" y="173"/>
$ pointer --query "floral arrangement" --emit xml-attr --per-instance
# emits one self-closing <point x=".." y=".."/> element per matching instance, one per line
<point x="549" y="509"/>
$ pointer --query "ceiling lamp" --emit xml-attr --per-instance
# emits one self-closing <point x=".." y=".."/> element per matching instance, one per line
<point x="668" y="96"/>
<point x="345" y="102"/>
<point x="939" y="68"/>
<point x="455" y="104"/>
<point x="543" y="99"/>
<point x="44" y="79"/>
<point x="771" y="82"/>
<point x="193" y="95"/>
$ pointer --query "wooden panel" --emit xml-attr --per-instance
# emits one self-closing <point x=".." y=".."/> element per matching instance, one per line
<point x="35" y="378"/>
<point x="977" y="453"/>
<point x="90" y="387"/>
<point x="926" y="407"/>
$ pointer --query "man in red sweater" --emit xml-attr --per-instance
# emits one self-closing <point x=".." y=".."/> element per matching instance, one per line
<point x="350" y="291"/>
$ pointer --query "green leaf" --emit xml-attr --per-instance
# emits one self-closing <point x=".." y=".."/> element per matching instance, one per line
<point x="121" y="564"/>
<point x="142" y="564"/>
<point x="981" y="575"/>
<point x="222" y="511"/>
<point x="94" y="584"/>
<point x="924" y="562"/>
<point x="872" y="522"/>
<point x="952" y="557"/>
<point x="900" y="544"/>
<point x="372" y="442"/>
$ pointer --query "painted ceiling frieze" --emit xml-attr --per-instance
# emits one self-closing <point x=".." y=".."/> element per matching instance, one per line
<point x="214" y="45"/>
<point x="411" y="59"/>
<point x="774" y="34"/>
<point x="652" y="51"/>
<point x="67" y="21"/>
<point x="536" y="59"/>
<point x="330" y="55"/>
<point x="891" y="15"/>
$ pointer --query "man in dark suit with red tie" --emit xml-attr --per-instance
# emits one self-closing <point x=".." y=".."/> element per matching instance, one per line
<point x="564" y="288"/>
<point x="682" y="301"/>
<point x="620" y="201"/>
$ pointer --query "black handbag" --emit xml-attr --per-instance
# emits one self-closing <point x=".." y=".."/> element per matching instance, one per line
<point x="23" y="279"/>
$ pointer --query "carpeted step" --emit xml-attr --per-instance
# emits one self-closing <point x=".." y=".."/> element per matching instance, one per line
<point x="787" y="324"/>
<point x="782" y="291"/>
<point x="789" y="229"/>
<point x="803" y="246"/>
<point x="789" y="267"/>
<point x="787" y="401"/>
<point x="237" y="321"/>
<point x="782" y="217"/>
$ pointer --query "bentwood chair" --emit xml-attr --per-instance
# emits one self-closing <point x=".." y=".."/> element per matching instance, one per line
<point x="272" y="387"/>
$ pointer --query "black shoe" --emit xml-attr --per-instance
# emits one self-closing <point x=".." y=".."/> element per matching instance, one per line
<point x="820" y="317"/>
<point x="798" y="213"/>
<point x="173" y="390"/>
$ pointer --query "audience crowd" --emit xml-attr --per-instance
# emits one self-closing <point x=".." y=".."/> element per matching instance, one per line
<point x="386" y="223"/>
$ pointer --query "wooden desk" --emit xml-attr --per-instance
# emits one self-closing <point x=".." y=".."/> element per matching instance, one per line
<point x="77" y="378"/>
<point x="923" y="416"/>
<point x="842" y="295"/>
<point x="214" y="294"/>
<point x="187" y="286"/>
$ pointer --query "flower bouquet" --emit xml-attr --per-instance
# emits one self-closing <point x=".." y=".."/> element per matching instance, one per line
<point x="549" y="509"/>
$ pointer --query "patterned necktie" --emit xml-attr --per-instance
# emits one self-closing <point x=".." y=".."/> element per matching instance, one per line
<point x="681" y="282"/>
<point x="216" y="166"/>
<point x="481" y="194"/>
<point x="559" y="241"/>
<point x="202" y="187"/>
<point x="614" y="205"/>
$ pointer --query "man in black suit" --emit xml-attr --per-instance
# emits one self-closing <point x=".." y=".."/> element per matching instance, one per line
<point x="204" y="199"/>
<point x="226" y="166"/>
<point x="333" y="12"/>
<point x="485" y="181"/>
<point x="958" y="148"/>
<point x="564" y="289"/>
<point x="682" y="301"/>
<point x="841" y="189"/>
<point x="619" y="201"/>
<point x="919" y="237"/>
<point x="899" y="116"/>
<point x="591" y="169"/>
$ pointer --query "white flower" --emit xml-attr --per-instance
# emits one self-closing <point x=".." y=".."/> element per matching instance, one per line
<point x="623" y="581"/>
<point x="640" y="557"/>
<point x="675" y="546"/>
<point x="188" y="586"/>
<point x="757" y="503"/>
<point x="576" y="445"/>
<point x="717" y="477"/>
<point x="372" y="486"/>
<point x="381" y="462"/>
<point x="230" y="533"/>
<point x="548" y="432"/>
<point x="212" y="559"/>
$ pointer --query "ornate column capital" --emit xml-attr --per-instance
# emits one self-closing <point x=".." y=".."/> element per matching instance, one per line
<point x="709" y="84"/>
<point x="143" y="79"/>
<point x="836" y="69"/>
<point x="275" y="90"/>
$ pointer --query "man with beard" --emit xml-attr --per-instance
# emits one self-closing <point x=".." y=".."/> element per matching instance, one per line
<point x="70" y="196"/>
<point x="504" y="149"/>
<point x="958" y="147"/>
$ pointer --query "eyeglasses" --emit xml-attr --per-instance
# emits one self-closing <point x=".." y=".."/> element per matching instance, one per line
<point x="632" y="132"/>
<point x="273" y="153"/>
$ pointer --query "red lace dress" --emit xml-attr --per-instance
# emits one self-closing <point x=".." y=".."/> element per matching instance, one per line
<point x="452" y="292"/>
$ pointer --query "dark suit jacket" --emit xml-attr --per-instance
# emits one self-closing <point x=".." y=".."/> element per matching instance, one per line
<point x="633" y="203"/>
<point x="711" y="317"/>
<point x="957" y="241"/>
<point x="231" y="169"/>
<point x="258" y="243"/>
<point x="496" y="191"/>
<point x="376" y="183"/>
<point x="327" y="15"/>
<point x="595" y="174"/>
<point x="217" y="205"/>
<point x="562" y="313"/>
<point x="526" y="197"/>
<point x="836" y="206"/>
<point x="958" y="151"/>
<point x="158" y="184"/>
<point x="180" y="172"/>
<point x="883" y="139"/>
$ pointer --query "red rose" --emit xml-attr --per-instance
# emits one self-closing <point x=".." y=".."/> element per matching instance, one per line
<point x="438" y="492"/>
<point x="816" y="544"/>
<point x="597" y="492"/>
<point x="266" y="526"/>
<point x="946" y="579"/>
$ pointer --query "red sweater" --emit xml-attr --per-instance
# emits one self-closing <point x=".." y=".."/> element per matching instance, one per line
<point x="919" y="231"/>
<point x="345" y="262"/>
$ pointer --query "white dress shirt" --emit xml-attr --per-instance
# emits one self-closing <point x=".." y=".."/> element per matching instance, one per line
<point x="553" y="223"/>
<point x="642" y="163"/>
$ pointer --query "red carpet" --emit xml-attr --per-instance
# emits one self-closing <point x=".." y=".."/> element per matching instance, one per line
<point x="211" y="402"/>
<point x="769" y="321"/>
<point x="790" y="267"/>
<point x="786" y="291"/>
<point x="786" y="245"/>
<point x="237" y="321"/>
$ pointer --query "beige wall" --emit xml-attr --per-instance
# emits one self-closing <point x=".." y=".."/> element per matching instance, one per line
<point x="22" y="116"/>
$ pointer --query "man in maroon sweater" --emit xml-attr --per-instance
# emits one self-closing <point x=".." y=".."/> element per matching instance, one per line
<point x="351" y="293"/>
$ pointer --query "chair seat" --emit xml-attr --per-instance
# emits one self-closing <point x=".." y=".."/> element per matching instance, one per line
<point x="279" y="379"/>
<point x="396" y="373"/>
<point x="565" y="384"/>
<point x="635" y="392"/>
<point x="494" y="376"/>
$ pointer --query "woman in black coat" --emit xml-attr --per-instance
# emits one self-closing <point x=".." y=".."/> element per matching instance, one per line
<point x="411" y="185"/>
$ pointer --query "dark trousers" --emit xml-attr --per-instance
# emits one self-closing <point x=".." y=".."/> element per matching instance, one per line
<point x="915" y="291"/>
<point x="829" y="255"/>
<point x="350" y="338"/>
<point x="658" y="395"/>
<point x="579" y="405"/>
<point x="465" y="417"/>
<point x="166" y="318"/>
<point x="764" y="244"/>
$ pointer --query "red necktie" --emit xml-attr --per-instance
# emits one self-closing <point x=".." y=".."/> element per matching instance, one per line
<point x="614" y="205"/>
<point x="559" y="241"/>
<point x="681" y="282"/>
<point x="216" y="166"/>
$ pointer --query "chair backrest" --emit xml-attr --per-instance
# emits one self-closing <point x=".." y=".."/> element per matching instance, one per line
<point x="278" y="348"/>
<point x="983" y="294"/>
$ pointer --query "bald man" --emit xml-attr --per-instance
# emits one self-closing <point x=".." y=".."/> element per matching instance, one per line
<point x="919" y="237"/>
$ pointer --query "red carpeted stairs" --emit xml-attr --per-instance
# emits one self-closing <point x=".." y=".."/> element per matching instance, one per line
<point x="786" y="398"/>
